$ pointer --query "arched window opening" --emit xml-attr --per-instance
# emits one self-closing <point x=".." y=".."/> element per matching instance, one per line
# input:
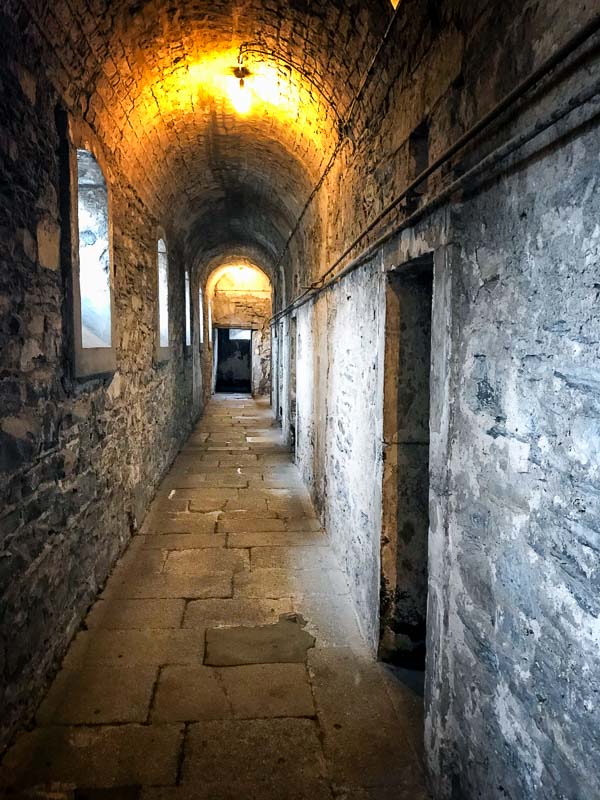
<point x="94" y="259"/>
<point x="188" y="311"/>
<point x="201" y="315"/>
<point x="94" y="352"/>
<point x="163" y="297"/>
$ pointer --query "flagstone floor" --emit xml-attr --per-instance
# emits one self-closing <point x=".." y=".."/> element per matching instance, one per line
<point x="144" y="708"/>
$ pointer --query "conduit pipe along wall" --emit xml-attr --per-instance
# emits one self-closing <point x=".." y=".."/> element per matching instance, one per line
<point x="488" y="161"/>
<point x="344" y="132"/>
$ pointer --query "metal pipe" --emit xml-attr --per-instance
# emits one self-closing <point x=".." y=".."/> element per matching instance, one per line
<point x="515" y="94"/>
<point x="493" y="158"/>
<point x="343" y="128"/>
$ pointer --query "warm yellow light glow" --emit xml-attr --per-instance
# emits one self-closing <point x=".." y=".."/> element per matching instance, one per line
<point x="237" y="278"/>
<point x="265" y="86"/>
<point x="270" y="90"/>
<point x="240" y="95"/>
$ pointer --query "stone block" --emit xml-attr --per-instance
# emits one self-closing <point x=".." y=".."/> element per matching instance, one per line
<point x="206" y="500"/>
<point x="284" y="583"/>
<point x="103" y="756"/>
<point x="248" y="524"/>
<point x="366" y="745"/>
<point x="314" y="789"/>
<point x="274" y="753"/>
<point x="129" y="647"/>
<point x="48" y="244"/>
<point x="278" y="538"/>
<point x="331" y="620"/>
<point x="158" y="523"/>
<point x="136" y="614"/>
<point x="190" y="693"/>
<point x="293" y="558"/>
<point x="189" y="587"/>
<point x="206" y="561"/>
<point x="99" y="694"/>
<point x="268" y="690"/>
<point x="202" y="614"/>
<point x="281" y="643"/>
<point x="183" y="541"/>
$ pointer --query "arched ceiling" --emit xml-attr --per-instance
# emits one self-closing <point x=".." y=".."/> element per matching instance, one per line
<point x="155" y="80"/>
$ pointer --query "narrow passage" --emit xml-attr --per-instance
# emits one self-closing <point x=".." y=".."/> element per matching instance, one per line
<point x="232" y="540"/>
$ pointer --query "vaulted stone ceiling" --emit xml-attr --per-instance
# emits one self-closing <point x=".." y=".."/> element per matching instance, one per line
<point x="154" y="78"/>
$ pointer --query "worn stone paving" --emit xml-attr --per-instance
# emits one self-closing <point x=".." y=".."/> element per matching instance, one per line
<point x="231" y="540"/>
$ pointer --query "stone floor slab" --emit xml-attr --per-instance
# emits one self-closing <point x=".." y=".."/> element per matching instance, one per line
<point x="284" y="583"/>
<point x="103" y="756"/>
<point x="181" y="523"/>
<point x="233" y="612"/>
<point x="268" y="690"/>
<point x="278" y="539"/>
<point x="169" y="502"/>
<point x="283" y="642"/>
<point x="411" y="788"/>
<point x="331" y="620"/>
<point x="250" y="790"/>
<point x="293" y="558"/>
<point x="365" y="744"/>
<point x="136" y="614"/>
<point x="266" y="753"/>
<point x="99" y="694"/>
<point x="139" y="563"/>
<point x="250" y="502"/>
<point x="207" y="500"/>
<point x="190" y="587"/>
<point x="206" y="561"/>
<point x="149" y="646"/>
<point x="190" y="693"/>
<point x="183" y="541"/>
<point x="241" y="523"/>
<point x="304" y="523"/>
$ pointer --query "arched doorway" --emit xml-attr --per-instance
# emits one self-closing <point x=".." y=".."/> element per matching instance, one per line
<point x="239" y="298"/>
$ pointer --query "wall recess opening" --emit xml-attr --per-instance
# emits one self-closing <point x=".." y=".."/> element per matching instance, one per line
<point x="92" y="270"/>
<point x="234" y="360"/>
<point x="405" y="523"/>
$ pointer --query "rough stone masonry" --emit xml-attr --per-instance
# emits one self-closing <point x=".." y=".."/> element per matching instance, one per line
<point x="369" y="96"/>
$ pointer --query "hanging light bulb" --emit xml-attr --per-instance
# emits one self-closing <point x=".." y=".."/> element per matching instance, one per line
<point x="240" y="94"/>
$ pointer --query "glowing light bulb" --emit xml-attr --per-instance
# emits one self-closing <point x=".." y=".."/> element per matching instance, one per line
<point x="240" y="96"/>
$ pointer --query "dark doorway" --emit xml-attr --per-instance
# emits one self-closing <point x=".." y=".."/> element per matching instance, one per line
<point x="234" y="363"/>
<point x="406" y="467"/>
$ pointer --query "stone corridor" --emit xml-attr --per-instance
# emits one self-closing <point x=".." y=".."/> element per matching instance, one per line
<point x="231" y="540"/>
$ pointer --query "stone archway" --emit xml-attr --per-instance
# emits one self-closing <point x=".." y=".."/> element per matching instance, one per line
<point x="239" y="298"/>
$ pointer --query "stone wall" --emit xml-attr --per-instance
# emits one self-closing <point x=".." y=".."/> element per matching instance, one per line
<point x="512" y="648"/>
<point x="512" y="661"/>
<point x="79" y="459"/>
<point x="339" y="428"/>
<point x="514" y="564"/>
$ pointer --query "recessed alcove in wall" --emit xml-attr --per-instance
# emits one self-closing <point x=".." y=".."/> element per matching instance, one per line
<point x="92" y="269"/>
<point x="405" y="523"/>
<point x="234" y="360"/>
